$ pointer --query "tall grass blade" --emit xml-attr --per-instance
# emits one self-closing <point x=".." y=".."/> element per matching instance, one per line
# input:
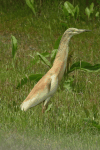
<point x="86" y="112"/>
<point x="95" y="111"/>
<point x="14" y="46"/>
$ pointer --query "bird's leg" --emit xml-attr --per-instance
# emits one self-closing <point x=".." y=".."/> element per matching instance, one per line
<point x="43" y="109"/>
<point x="45" y="104"/>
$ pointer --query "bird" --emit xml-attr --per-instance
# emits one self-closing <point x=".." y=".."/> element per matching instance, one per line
<point x="48" y="84"/>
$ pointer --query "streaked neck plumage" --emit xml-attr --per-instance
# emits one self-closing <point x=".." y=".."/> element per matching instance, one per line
<point x="63" y="48"/>
<point x="62" y="55"/>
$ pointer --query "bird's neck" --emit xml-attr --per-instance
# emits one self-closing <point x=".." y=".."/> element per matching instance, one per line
<point x="60" y="61"/>
<point x="62" y="53"/>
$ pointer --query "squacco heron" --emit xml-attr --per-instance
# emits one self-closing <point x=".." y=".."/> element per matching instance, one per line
<point x="48" y="84"/>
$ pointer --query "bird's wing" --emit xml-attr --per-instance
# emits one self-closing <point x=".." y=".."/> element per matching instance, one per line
<point x="46" y="87"/>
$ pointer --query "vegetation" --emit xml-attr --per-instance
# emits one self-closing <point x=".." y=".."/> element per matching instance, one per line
<point x="29" y="39"/>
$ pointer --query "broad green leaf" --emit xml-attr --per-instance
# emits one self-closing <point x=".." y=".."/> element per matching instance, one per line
<point x="33" y="77"/>
<point x="80" y="64"/>
<point x="97" y="14"/>
<point x="69" y="7"/>
<point x="53" y="54"/>
<point x="44" y="59"/>
<point x="30" y="5"/>
<point x="91" y="7"/>
<point x="76" y="11"/>
<point x="36" y="58"/>
<point x="66" y="13"/>
<point x="14" y="46"/>
<point x="32" y="1"/>
<point x="84" y="66"/>
<point x="49" y="107"/>
<point x="56" y="45"/>
<point x="87" y="11"/>
<point x="46" y="54"/>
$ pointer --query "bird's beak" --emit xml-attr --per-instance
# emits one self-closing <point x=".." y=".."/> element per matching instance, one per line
<point x="84" y="30"/>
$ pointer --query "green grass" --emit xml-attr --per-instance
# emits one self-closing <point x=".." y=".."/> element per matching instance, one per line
<point x="60" y="142"/>
<point x="65" y="120"/>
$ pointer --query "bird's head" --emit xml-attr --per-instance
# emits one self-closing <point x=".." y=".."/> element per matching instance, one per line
<point x="73" y="31"/>
<point x="67" y="36"/>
